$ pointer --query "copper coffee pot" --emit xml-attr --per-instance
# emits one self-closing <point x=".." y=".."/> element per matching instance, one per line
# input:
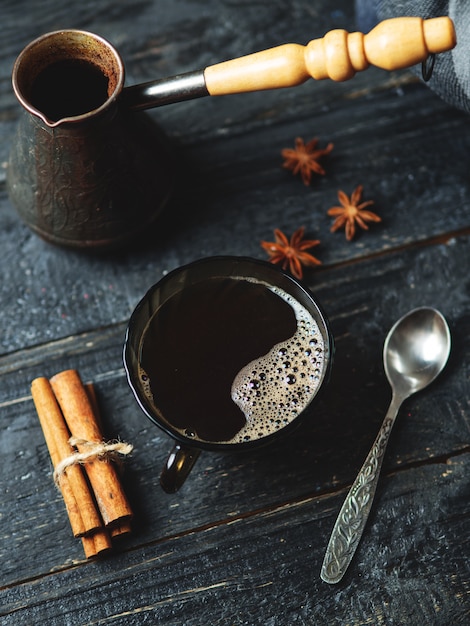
<point x="87" y="170"/>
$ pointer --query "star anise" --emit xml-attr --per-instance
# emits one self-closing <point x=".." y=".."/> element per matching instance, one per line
<point x="291" y="253"/>
<point x="304" y="158"/>
<point x="352" y="213"/>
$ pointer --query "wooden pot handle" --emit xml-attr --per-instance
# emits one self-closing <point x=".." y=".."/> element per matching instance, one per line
<point x="393" y="44"/>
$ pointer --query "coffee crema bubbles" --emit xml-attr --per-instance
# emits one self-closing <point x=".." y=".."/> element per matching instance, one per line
<point x="272" y="390"/>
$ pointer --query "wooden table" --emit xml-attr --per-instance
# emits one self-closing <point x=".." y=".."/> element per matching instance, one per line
<point x="244" y="539"/>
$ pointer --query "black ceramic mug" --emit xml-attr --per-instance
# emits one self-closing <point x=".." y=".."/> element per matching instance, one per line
<point x="225" y="353"/>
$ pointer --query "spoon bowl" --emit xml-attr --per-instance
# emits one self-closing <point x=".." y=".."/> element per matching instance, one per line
<point x="415" y="352"/>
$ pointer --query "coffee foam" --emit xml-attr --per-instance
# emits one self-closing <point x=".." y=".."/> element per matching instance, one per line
<point x="274" y="389"/>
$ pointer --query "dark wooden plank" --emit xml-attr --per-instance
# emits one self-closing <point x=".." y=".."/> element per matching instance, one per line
<point x="233" y="191"/>
<point x="264" y="568"/>
<point x="324" y="454"/>
<point x="231" y="195"/>
<point x="242" y="542"/>
<point x="49" y="293"/>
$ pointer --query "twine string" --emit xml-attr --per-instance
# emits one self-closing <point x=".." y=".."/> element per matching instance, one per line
<point x="91" y="450"/>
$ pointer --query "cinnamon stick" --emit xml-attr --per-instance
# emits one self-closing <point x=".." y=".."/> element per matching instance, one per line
<point x="78" y="413"/>
<point x="79" y="502"/>
<point x="97" y="543"/>
<point x="121" y="529"/>
<point x="118" y="529"/>
<point x="91" y="393"/>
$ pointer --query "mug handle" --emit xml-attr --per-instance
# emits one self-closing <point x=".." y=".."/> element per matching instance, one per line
<point x="179" y="463"/>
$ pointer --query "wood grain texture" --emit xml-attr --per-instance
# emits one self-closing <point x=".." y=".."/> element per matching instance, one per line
<point x="321" y="456"/>
<point x="243" y="541"/>
<point x="234" y="574"/>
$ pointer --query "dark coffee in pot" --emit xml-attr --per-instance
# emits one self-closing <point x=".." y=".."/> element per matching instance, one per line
<point x="69" y="88"/>
<point x="230" y="360"/>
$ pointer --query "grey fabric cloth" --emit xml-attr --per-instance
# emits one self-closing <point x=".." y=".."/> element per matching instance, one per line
<point x="451" y="75"/>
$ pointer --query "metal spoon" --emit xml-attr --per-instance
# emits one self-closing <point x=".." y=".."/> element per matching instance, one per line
<point x="415" y="352"/>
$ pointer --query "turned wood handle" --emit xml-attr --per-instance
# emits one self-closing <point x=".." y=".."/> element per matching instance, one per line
<point x="392" y="44"/>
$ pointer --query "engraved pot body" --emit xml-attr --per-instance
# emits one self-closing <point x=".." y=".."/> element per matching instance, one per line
<point x="83" y="172"/>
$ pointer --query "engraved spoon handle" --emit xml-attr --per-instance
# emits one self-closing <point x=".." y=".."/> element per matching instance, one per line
<point x="352" y="518"/>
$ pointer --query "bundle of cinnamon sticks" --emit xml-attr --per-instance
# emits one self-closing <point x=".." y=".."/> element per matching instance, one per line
<point x="96" y="504"/>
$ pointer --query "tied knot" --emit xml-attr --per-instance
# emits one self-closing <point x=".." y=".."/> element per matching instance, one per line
<point x="90" y="451"/>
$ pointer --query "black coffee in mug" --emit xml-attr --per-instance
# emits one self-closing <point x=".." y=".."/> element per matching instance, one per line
<point x="225" y="353"/>
<point x="230" y="360"/>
